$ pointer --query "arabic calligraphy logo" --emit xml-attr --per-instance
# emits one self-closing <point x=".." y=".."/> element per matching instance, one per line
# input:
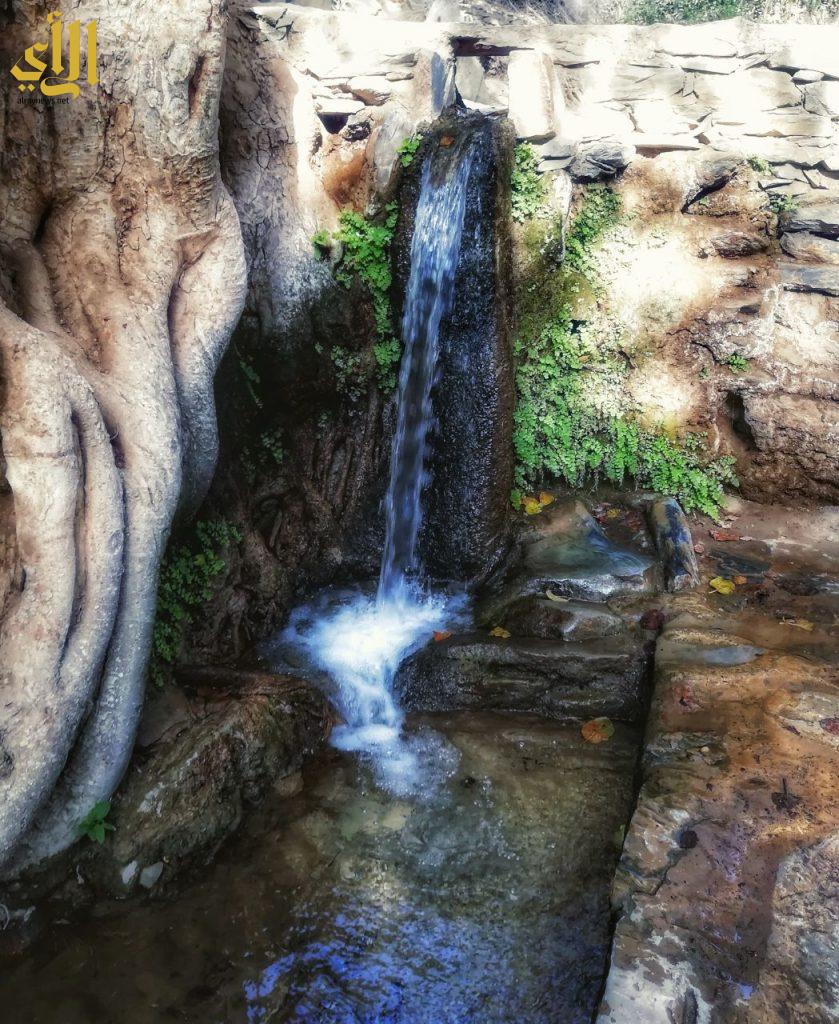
<point x="46" y="76"/>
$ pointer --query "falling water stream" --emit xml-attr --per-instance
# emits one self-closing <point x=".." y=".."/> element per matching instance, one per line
<point x="357" y="639"/>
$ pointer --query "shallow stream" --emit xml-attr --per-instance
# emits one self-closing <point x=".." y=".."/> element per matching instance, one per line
<point x="484" y="899"/>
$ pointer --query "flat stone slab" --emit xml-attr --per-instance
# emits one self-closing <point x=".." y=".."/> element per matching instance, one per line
<point x="556" y="679"/>
<point x="574" y="558"/>
<point x="802" y="277"/>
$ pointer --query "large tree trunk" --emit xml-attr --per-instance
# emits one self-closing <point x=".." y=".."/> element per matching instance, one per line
<point x="122" y="275"/>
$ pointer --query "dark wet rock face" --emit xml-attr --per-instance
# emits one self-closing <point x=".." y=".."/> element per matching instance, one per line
<point x="470" y="464"/>
<point x="554" y="679"/>
<point x="674" y="543"/>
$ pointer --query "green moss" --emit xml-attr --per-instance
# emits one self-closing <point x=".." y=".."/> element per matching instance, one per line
<point x="572" y="420"/>
<point x="185" y="586"/>
<point x="528" y="191"/>
<point x="366" y="256"/>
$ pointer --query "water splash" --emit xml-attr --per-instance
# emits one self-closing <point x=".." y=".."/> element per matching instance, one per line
<point x="360" y="640"/>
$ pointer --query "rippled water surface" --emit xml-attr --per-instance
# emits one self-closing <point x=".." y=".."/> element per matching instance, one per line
<point x="482" y="900"/>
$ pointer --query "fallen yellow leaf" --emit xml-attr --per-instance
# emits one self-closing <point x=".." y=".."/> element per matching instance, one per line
<point x="739" y="580"/>
<point x="801" y="624"/>
<point x="597" y="730"/>
<point x="551" y="596"/>
<point x="722" y="585"/>
<point x="531" y="506"/>
<point x="546" y="499"/>
<point x="500" y="631"/>
<point x="613" y="513"/>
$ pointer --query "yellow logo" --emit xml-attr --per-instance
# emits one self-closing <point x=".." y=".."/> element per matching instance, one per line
<point x="46" y="75"/>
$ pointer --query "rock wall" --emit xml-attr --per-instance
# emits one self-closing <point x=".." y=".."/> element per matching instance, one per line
<point x="706" y="131"/>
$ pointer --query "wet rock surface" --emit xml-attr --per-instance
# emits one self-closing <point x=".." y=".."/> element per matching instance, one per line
<point x="731" y="846"/>
<point x="466" y="522"/>
<point x="555" y="679"/>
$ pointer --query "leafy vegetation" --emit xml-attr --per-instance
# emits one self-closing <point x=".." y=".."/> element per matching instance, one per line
<point x="759" y="164"/>
<point x="736" y="363"/>
<point x="528" y="191"/>
<point x="782" y="203"/>
<point x="366" y="255"/>
<point x="186" y="584"/>
<point x="321" y="242"/>
<point x="258" y="457"/>
<point x="408" y="149"/>
<point x="572" y="420"/>
<point x="95" y="826"/>
<point x="690" y="11"/>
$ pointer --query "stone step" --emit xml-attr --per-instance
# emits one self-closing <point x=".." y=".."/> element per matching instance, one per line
<point x="556" y="679"/>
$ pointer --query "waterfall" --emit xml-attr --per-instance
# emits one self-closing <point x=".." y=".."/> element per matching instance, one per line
<point x="359" y="640"/>
<point x="435" y="249"/>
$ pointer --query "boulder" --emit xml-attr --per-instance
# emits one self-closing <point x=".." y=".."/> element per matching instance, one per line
<point x="607" y="676"/>
<point x="251" y="731"/>
<point x="673" y="539"/>
<point x="533" y="96"/>
<point x="819" y="218"/>
<point x="804" y="277"/>
<point x="802" y="245"/>
<point x="572" y="557"/>
<point x="596" y="160"/>
<point x="544" y="619"/>
<point x="373" y="90"/>
<point x="735" y="244"/>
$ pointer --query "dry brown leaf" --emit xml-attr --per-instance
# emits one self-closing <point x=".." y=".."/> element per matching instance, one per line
<point x="441" y="634"/>
<point x="597" y="730"/>
<point x="724" y="535"/>
<point x="739" y="580"/>
<point x="800" y="624"/>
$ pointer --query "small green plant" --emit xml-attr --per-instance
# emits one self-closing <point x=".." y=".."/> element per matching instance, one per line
<point x="572" y="420"/>
<point x="600" y="211"/>
<point x="185" y="585"/>
<point x="348" y="371"/>
<point x="408" y="149"/>
<point x="736" y="363"/>
<point x="528" y="191"/>
<point x="366" y="255"/>
<point x="321" y="243"/>
<point x="251" y="379"/>
<point x="257" y="458"/>
<point x="759" y="164"/>
<point x="647" y="12"/>
<point x="782" y="203"/>
<point x="95" y="826"/>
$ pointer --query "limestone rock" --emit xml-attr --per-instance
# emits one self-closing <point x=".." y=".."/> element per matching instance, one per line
<point x="819" y="218"/>
<point x="596" y="160"/>
<point x="804" y="277"/>
<point x="802" y="954"/>
<point x="533" y="97"/>
<point x="801" y="245"/>
<point x="822" y="98"/>
<point x="371" y="89"/>
<point x="187" y="796"/>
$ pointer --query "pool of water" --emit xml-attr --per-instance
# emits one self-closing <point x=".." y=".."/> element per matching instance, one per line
<point x="483" y="898"/>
